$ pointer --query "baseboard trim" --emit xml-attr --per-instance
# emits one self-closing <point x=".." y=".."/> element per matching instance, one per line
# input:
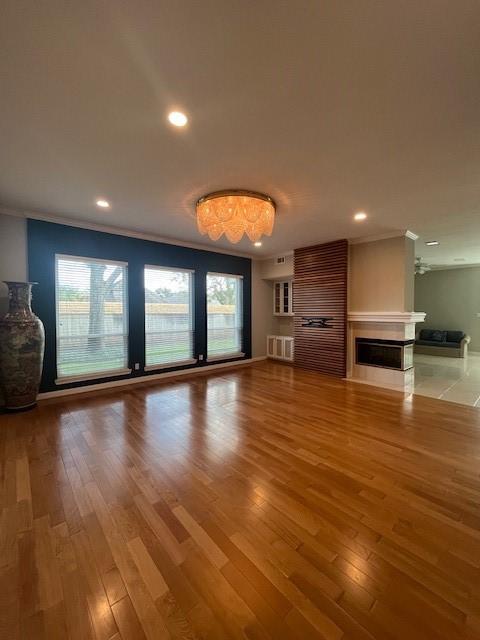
<point x="146" y="379"/>
<point x="375" y="383"/>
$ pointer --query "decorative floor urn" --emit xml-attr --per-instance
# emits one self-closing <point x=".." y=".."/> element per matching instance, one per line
<point x="22" y="341"/>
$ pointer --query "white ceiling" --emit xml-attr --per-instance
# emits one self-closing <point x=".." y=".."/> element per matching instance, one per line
<point x="328" y="106"/>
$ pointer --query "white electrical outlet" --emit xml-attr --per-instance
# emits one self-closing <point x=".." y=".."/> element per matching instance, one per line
<point x="137" y="366"/>
<point x="200" y="357"/>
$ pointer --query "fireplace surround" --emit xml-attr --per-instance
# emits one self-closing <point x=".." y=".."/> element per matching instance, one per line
<point x="377" y="329"/>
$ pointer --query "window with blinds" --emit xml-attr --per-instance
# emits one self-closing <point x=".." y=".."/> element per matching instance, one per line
<point x="168" y="317"/>
<point x="92" y="318"/>
<point x="224" y="316"/>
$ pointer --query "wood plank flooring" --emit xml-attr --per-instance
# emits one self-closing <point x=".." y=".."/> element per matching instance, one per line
<point x="261" y="502"/>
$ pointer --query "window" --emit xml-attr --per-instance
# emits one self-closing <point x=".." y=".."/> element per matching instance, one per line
<point x="168" y="317"/>
<point x="92" y="325"/>
<point x="224" y="316"/>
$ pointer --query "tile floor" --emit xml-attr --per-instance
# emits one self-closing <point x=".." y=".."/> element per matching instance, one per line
<point x="453" y="379"/>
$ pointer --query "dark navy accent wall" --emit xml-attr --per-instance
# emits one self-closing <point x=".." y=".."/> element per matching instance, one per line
<point x="45" y="239"/>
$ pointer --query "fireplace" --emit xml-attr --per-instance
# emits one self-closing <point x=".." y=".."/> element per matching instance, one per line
<point x="387" y="354"/>
<point x="369" y="332"/>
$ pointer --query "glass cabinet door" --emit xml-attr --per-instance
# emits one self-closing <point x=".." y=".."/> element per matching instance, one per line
<point x="282" y="298"/>
<point x="286" y="297"/>
<point x="277" y="298"/>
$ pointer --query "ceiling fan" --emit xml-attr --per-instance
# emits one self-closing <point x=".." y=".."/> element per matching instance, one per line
<point x="421" y="267"/>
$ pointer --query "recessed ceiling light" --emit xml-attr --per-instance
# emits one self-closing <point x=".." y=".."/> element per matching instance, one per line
<point x="361" y="215"/>
<point x="177" y="118"/>
<point x="257" y="244"/>
<point x="432" y="243"/>
<point x="103" y="204"/>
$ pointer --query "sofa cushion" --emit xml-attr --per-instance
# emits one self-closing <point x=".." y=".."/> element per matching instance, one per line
<point x="434" y="343"/>
<point x="439" y="336"/>
<point x="426" y="334"/>
<point x="455" y="336"/>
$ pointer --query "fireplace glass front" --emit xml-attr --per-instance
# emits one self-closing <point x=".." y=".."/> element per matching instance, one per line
<point x="382" y="353"/>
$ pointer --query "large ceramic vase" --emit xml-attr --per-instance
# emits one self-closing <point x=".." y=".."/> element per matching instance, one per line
<point x="22" y="342"/>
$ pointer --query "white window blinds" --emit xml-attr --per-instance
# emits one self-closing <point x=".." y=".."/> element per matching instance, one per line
<point x="224" y="315"/>
<point x="168" y="317"/>
<point x="92" y="323"/>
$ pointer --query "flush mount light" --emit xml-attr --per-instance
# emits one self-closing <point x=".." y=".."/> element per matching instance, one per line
<point x="177" y="118"/>
<point x="235" y="212"/>
<point x="257" y="244"/>
<point x="103" y="204"/>
<point x="432" y="243"/>
<point x="361" y="215"/>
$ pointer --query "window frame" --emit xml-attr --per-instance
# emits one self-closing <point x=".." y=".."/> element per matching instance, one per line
<point x="238" y="312"/>
<point x="185" y="361"/>
<point x="109" y="373"/>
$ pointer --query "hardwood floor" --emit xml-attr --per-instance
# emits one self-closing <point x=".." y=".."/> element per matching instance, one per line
<point x="261" y="502"/>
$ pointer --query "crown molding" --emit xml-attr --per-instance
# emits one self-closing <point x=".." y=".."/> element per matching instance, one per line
<point x="119" y="231"/>
<point x="402" y="233"/>
<point x="405" y="233"/>
<point x="448" y="267"/>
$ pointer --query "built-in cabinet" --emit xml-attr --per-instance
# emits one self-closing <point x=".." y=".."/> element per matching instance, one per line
<point x="280" y="347"/>
<point x="283" y="298"/>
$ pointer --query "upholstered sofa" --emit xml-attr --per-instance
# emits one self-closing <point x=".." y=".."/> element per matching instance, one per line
<point x="437" y="342"/>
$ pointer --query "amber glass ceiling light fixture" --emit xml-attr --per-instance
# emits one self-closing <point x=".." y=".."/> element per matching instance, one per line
<point x="235" y="212"/>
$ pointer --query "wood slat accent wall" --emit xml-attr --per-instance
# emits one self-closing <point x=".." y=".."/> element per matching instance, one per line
<point x="320" y="289"/>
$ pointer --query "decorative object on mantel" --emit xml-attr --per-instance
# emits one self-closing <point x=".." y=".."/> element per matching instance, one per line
<point x="22" y="342"/>
<point x="234" y="212"/>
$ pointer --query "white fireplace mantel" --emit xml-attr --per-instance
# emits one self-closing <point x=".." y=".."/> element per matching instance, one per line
<point x="392" y="317"/>
<point x="381" y="325"/>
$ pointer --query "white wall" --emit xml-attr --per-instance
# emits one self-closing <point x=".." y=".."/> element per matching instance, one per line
<point x="381" y="275"/>
<point x="270" y="270"/>
<point x="410" y="275"/>
<point x="262" y="296"/>
<point x="282" y="325"/>
<point x="13" y="254"/>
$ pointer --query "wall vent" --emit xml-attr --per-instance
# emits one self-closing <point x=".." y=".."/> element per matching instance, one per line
<point x="281" y="260"/>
